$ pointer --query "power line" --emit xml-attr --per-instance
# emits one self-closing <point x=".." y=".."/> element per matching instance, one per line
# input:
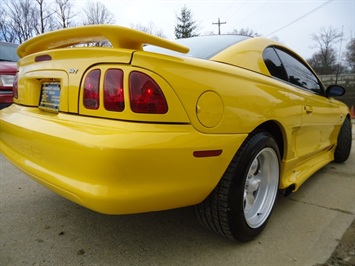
<point x="232" y="10"/>
<point x="254" y="12"/>
<point x="301" y="17"/>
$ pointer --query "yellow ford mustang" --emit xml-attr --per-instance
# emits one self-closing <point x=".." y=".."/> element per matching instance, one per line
<point x="144" y="124"/>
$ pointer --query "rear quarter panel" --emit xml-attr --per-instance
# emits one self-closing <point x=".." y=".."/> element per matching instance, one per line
<point x="249" y="98"/>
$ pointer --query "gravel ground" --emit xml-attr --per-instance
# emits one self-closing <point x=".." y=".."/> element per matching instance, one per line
<point x="344" y="254"/>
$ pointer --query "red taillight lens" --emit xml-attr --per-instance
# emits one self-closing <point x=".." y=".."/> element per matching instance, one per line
<point x="113" y="90"/>
<point x="92" y="89"/>
<point x="145" y="95"/>
<point x="15" y="87"/>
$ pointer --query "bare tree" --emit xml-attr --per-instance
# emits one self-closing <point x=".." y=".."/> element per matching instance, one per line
<point x="64" y="13"/>
<point x="325" y="60"/>
<point x="324" y="64"/>
<point x="246" y="32"/>
<point x="97" y="13"/>
<point x="151" y="29"/>
<point x="350" y="54"/>
<point x="45" y="20"/>
<point x="42" y="16"/>
<point x="22" y="19"/>
<point x="6" y="25"/>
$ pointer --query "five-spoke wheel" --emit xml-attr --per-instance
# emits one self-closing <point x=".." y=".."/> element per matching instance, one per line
<point x="261" y="187"/>
<point x="241" y="204"/>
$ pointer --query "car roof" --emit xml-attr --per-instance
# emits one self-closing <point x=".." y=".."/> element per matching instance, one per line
<point x="247" y="54"/>
<point x="8" y="52"/>
<point x="237" y="50"/>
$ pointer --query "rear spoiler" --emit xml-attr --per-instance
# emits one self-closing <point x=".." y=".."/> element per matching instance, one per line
<point x="119" y="37"/>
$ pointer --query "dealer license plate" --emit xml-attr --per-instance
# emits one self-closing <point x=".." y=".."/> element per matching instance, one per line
<point x="50" y="97"/>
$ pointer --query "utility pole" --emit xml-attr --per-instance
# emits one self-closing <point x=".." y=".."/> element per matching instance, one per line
<point x="219" y="25"/>
<point x="338" y="66"/>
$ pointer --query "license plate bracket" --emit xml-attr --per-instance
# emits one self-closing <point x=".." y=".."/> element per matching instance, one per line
<point x="50" y="97"/>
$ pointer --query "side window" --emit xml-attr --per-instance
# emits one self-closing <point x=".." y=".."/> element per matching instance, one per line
<point x="298" y="73"/>
<point x="273" y="64"/>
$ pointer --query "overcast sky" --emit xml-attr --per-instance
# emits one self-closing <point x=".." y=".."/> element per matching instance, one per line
<point x="291" y="21"/>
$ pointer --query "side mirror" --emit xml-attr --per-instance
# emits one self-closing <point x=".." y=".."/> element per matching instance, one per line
<point x="334" y="91"/>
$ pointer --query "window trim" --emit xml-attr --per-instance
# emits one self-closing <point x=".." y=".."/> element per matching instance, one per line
<point x="301" y="61"/>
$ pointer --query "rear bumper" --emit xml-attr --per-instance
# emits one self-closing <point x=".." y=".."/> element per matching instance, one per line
<point x="115" y="167"/>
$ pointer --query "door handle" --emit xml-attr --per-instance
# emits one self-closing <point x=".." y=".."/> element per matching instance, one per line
<point x="308" y="109"/>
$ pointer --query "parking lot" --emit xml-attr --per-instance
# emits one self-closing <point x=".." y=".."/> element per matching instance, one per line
<point x="38" y="227"/>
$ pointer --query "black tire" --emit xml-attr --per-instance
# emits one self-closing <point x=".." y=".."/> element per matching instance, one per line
<point x="241" y="204"/>
<point x="342" y="150"/>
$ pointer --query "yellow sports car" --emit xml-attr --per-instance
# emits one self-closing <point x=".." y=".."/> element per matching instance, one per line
<point x="144" y="124"/>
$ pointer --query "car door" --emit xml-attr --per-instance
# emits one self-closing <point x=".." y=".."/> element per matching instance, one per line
<point x="320" y="114"/>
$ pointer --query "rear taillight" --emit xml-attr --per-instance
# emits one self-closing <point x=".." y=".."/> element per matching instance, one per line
<point x="145" y="95"/>
<point x="92" y="89"/>
<point x="113" y="90"/>
<point x="15" y="87"/>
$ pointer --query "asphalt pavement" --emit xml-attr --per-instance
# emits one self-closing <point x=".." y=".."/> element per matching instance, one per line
<point x="38" y="227"/>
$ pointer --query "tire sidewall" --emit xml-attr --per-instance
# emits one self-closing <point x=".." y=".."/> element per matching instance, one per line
<point x="343" y="148"/>
<point x="244" y="158"/>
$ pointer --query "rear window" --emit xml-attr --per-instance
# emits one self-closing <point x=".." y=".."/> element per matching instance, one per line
<point x="203" y="47"/>
<point x="8" y="52"/>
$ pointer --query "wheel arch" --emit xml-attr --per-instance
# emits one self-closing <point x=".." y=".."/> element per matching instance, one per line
<point x="276" y="130"/>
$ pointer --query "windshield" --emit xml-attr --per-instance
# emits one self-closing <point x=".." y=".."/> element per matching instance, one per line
<point x="203" y="47"/>
<point x="8" y="52"/>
